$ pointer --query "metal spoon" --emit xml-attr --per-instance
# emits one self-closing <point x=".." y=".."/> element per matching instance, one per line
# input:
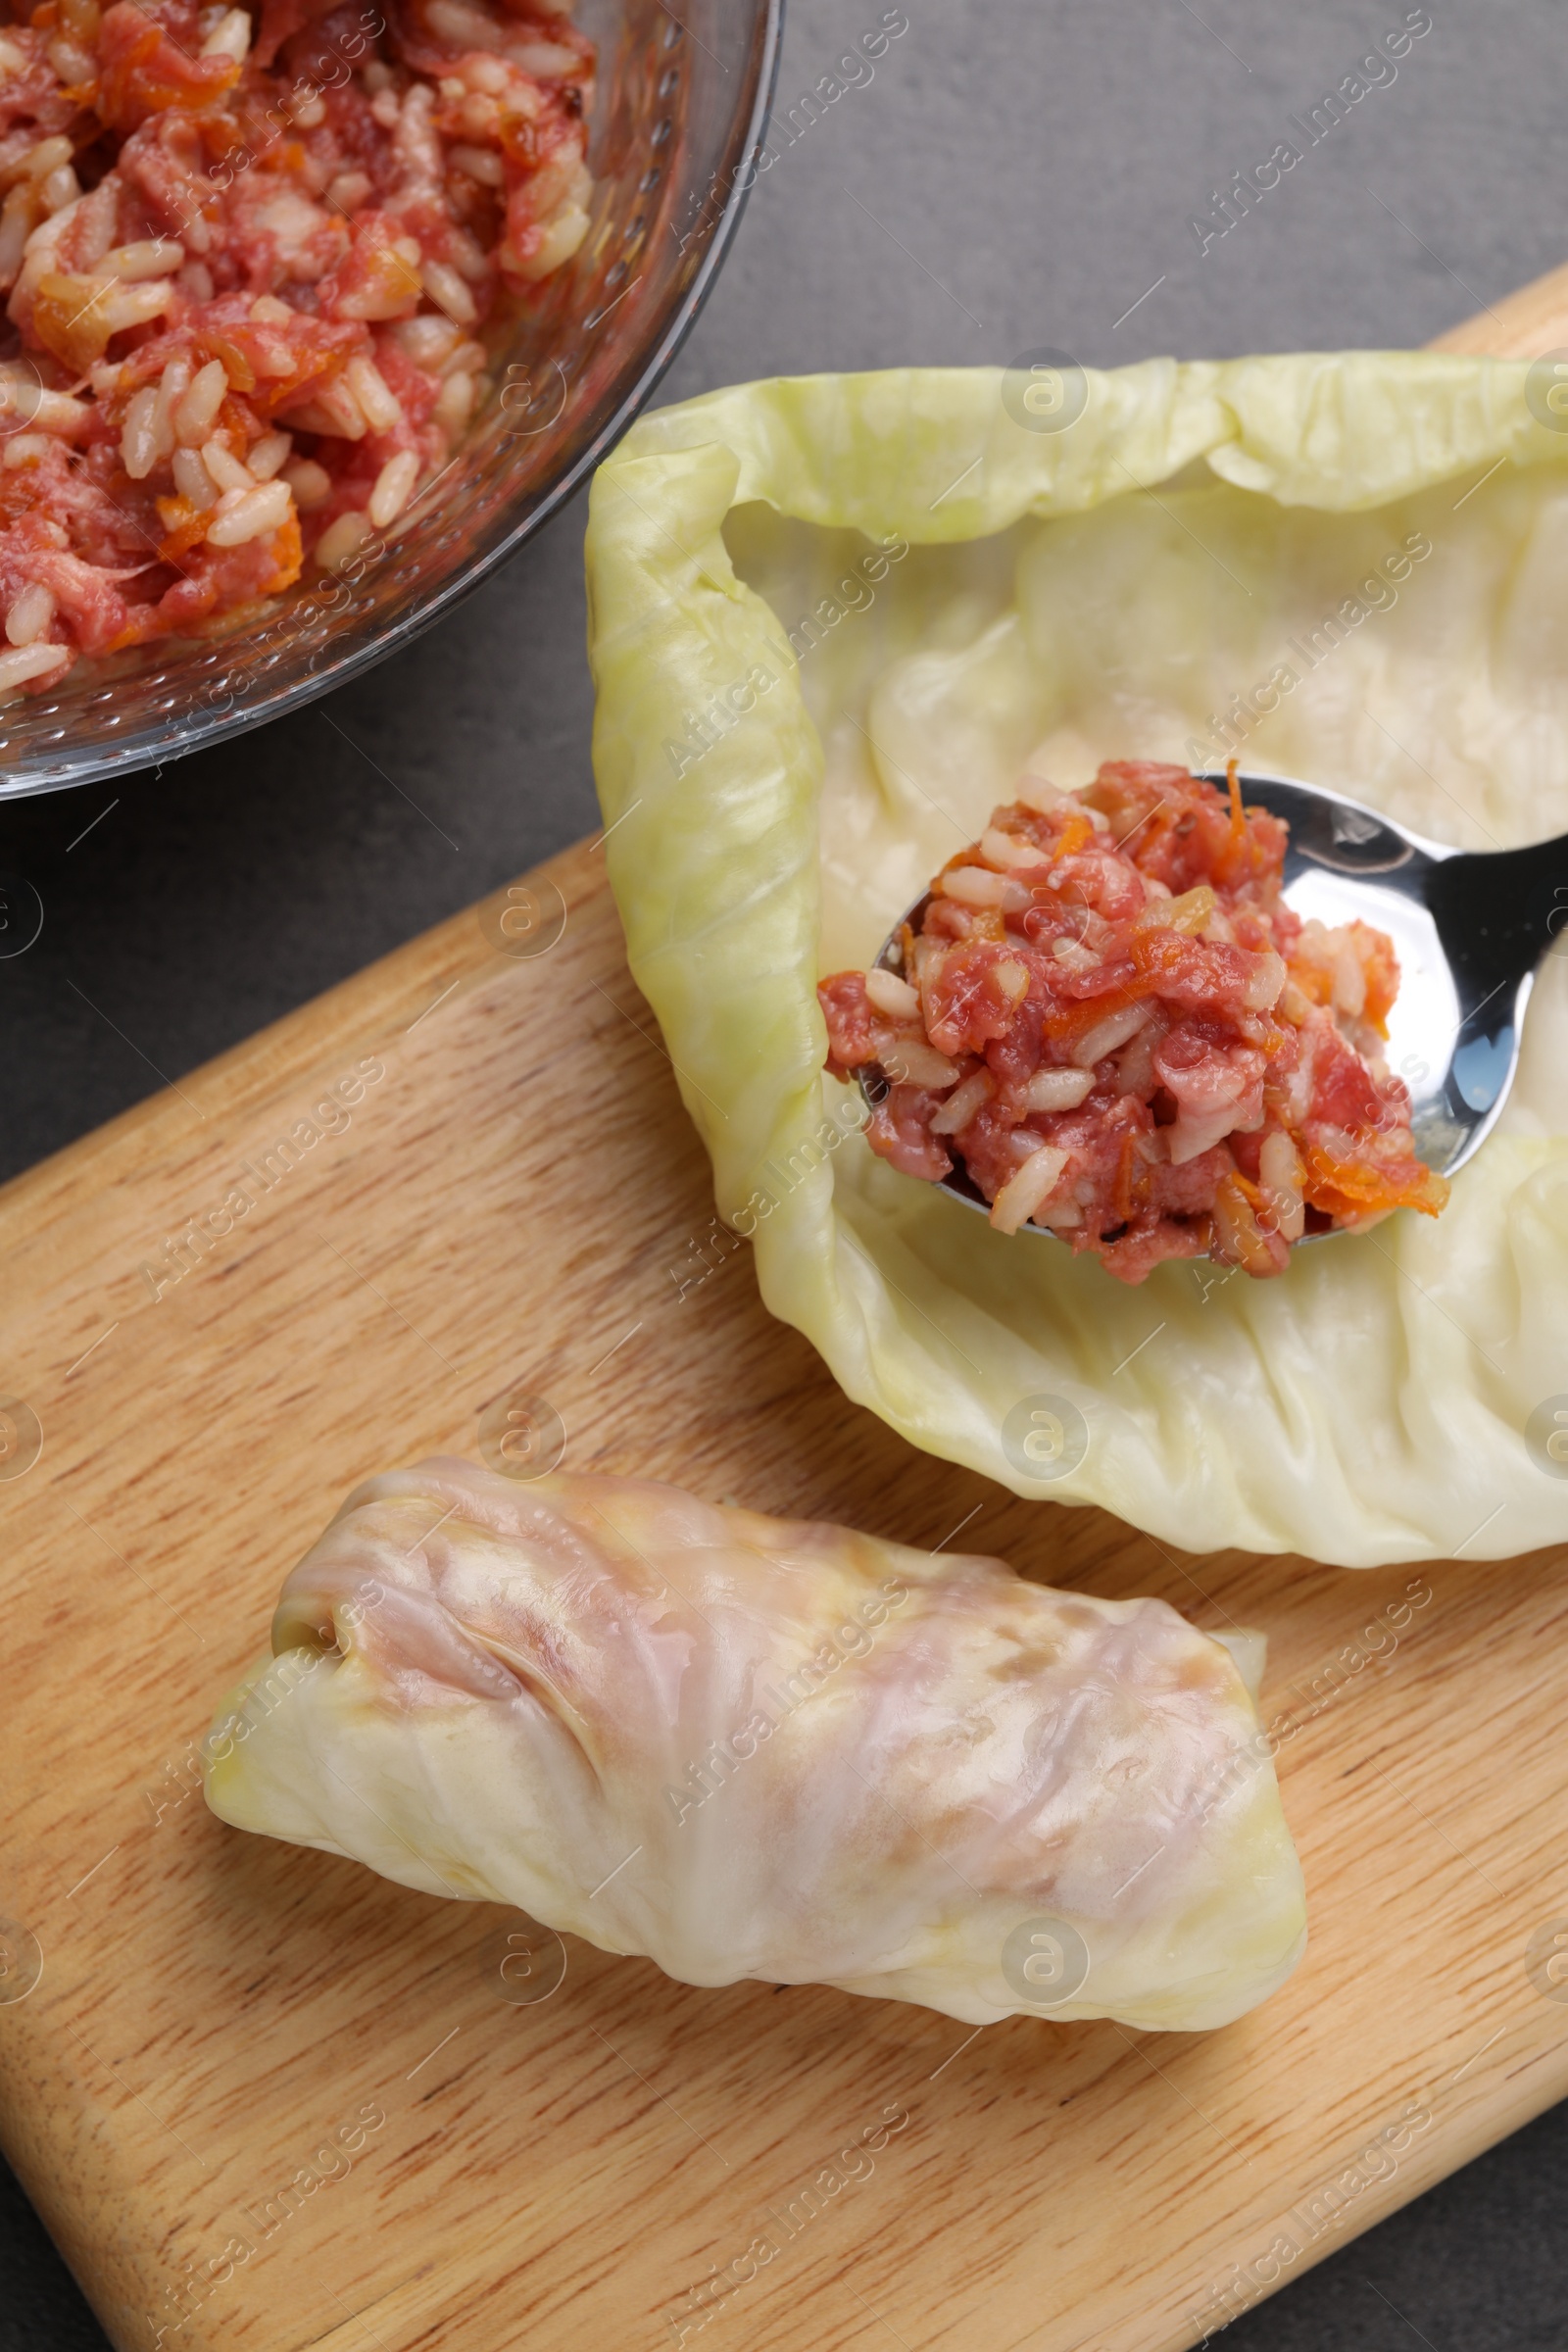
<point x="1469" y="929"/>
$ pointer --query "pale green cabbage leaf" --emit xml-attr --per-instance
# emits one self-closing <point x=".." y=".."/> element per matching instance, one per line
<point x="832" y="618"/>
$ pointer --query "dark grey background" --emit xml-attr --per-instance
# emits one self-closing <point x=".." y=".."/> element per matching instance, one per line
<point x="1017" y="174"/>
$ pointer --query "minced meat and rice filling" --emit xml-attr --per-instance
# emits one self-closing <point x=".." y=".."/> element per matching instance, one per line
<point x="248" y="261"/>
<point x="1112" y="1019"/>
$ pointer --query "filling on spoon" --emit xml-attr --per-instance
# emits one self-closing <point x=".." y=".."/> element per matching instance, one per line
<point x="1112" y="1021"/>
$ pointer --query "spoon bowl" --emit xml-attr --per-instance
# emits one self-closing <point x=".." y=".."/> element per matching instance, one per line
<point x="1469" y="929"/>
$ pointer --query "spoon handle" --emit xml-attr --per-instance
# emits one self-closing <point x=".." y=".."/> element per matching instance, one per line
<point x="1497" y="913"/>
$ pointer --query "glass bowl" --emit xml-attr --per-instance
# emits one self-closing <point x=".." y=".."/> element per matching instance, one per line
<point x="683" y="98"/>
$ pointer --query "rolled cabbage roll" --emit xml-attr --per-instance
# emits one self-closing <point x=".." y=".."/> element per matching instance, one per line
<point x="756" y="1747"/>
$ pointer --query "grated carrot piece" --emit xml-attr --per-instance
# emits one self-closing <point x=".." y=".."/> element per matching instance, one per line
<point x="1237" y="813"/>
<point x="1350" y="1189"/>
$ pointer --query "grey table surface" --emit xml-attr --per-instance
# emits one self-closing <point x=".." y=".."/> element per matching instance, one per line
<point x="1016" y="174"/>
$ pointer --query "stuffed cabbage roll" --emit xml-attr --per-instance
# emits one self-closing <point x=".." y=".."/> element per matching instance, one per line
<point x="754" y="1748"/>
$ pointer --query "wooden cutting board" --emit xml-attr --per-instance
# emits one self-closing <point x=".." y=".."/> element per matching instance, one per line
<point x="264" y="2100"/>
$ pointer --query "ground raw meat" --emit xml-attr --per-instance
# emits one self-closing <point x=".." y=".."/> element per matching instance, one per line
<point x="1113" y="1020"/>
<point x="248" y="259"/>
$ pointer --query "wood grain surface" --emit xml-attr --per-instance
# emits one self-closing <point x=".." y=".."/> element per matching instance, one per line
<point x="264" y="2100"/>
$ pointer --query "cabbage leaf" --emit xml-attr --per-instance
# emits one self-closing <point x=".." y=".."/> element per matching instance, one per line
<point x="832" y="618"/>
